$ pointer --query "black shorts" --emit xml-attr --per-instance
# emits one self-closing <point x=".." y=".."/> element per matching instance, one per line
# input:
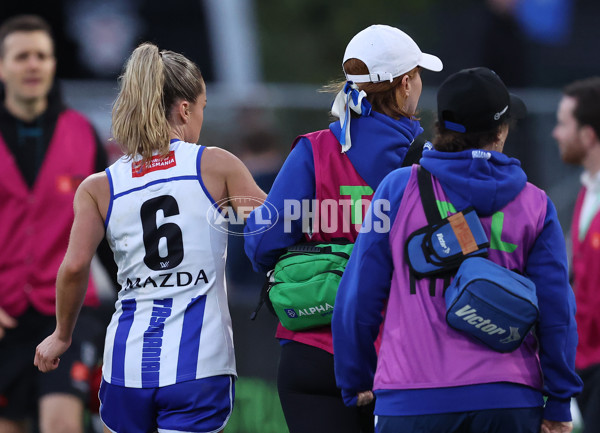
<point x="22" y="385"/>
<point x="589" y="399"/>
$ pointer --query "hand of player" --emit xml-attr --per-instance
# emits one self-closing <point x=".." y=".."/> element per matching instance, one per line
<point x="556" y="427"/>
<point x="364" y="398"/>
<point x="48" y="351"/>
<point x="6" y="321"/>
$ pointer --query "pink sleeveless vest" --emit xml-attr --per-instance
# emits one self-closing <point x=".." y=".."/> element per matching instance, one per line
<point x="342" y="198"/>
<point x="587" y="274"/>
<point x="36" y="222"/>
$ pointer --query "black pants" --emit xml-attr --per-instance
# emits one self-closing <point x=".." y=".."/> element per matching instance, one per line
<point x="309" y="397"/>
<point x="589" y="400"/>
<point x="518" y="420"/>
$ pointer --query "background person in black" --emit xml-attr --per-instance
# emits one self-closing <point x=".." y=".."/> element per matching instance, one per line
<point x="34" y="127"/>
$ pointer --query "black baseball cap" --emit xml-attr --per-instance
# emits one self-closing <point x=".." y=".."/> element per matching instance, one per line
<point x="476" y="100"/>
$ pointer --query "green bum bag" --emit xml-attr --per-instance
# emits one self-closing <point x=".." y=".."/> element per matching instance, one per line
<point x="303" y="285"/>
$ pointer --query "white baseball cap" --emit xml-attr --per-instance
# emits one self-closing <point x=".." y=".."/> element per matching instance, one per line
<point x="388" y="53"/>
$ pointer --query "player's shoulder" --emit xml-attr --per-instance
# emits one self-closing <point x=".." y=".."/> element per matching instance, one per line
<point x="218" y="160"/>
<point x="95" y="184"/>
<point x="218" y="155"/>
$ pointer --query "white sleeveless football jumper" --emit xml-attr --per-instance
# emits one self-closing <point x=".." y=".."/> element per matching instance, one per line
<point x="172" y="321"/>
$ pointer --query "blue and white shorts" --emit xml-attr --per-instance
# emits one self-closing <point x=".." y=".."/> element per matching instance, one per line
<point x="195" y="406"/>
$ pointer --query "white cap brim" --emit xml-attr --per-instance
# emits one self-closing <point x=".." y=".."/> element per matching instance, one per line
<point x="431" y="62"/>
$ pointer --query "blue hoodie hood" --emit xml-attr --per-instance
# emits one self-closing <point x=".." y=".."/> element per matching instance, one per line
<point x="379" y="144"/>
<point x="483" y="179"/>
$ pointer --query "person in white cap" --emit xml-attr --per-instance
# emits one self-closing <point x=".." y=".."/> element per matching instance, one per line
<point x="335" y="172"/>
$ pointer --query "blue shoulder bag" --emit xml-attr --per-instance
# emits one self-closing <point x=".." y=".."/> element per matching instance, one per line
<point x="486" y="301"/>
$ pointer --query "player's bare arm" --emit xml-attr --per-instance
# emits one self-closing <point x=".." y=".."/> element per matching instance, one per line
<point x="73" y="274"/>
<point x="226" y="177"/>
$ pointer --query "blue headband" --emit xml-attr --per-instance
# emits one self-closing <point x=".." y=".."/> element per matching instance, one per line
<point x="349" y="98"/>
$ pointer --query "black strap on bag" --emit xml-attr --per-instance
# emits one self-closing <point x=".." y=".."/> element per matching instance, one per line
<point x="432" y="213"/>
<point x="415" y="151"/>
<point x="428" y="196"/>
<point x="264" y="297"/>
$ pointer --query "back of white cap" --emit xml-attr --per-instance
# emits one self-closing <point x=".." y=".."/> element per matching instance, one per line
<point x="387" y="52"/>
